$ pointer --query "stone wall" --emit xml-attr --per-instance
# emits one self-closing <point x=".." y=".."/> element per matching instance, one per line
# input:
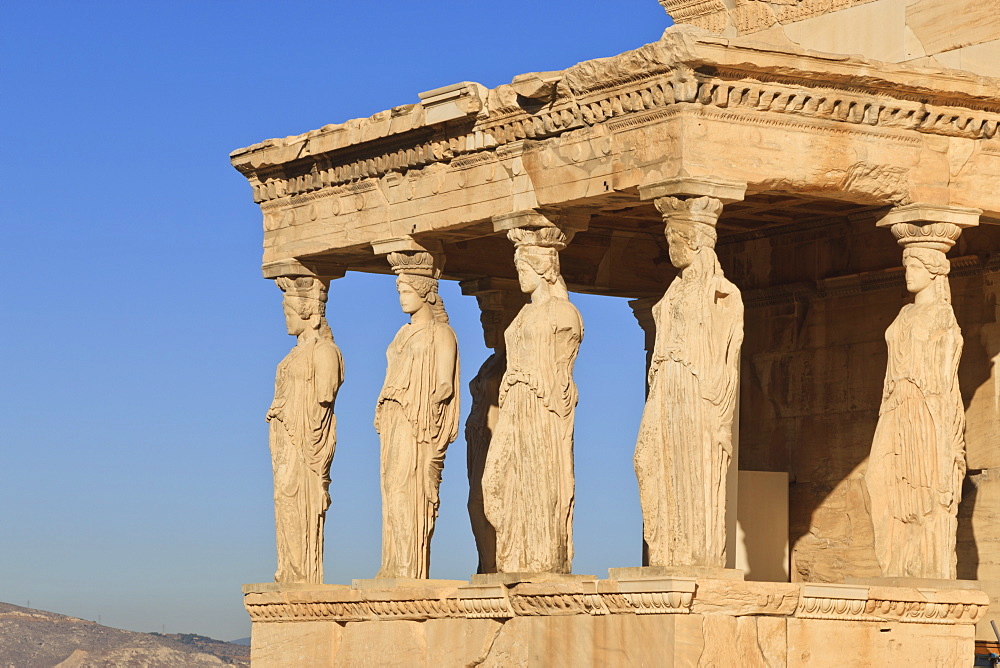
<point x="646" y="622"/>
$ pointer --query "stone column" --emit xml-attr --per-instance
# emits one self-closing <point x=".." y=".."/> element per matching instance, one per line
<point x="917" y="462"/>
<point x="302" y="427"/>
<point x="417" y="411"/>
<point x="528" y="483"/>
<point x="684" y="451"/>
<point x="499" y="302"/>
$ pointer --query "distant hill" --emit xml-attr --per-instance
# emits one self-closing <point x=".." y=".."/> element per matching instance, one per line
<point x="38" y="639"/>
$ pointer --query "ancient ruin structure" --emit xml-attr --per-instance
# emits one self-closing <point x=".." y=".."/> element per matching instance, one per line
<point x="732" y="180"/>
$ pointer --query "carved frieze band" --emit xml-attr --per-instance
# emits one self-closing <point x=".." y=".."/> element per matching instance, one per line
<point x="660" y="90"/>
<point x="510" y="605"/>
<point x="813" y="602"/>
<point x="881" y="610"/>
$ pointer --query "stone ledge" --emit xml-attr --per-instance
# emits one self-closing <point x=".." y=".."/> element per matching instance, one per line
<point x="891" y="604"/>
<point x="457" y="599"/>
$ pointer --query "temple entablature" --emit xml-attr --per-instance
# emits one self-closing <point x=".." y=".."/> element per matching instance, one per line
<point x="787" y="123"/>
<point x="734" y="190"/>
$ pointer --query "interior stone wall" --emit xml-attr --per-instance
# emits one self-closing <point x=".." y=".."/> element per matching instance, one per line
<point x="818" y="304"/>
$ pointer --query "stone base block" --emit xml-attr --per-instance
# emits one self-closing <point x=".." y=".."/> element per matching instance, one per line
<point x="666" y="622"/>
<point x="916" y="583"/>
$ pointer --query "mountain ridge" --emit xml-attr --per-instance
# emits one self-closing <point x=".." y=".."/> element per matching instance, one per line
<point x="31" y="638"/>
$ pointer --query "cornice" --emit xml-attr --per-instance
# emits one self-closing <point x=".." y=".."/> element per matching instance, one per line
<point x="684" y="70"/>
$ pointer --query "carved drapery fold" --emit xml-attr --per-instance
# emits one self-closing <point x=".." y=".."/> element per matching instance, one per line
<point x="917" y="462"/>
<point x="416" y="416"/>
<point x="303" y="430"/>
<point x="498" y="305"/>
<point x="528" y="482"/>
<point x="685" y="438"/>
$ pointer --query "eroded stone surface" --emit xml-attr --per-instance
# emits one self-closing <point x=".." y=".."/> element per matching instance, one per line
<point x="528" y="481"/>
<point x="828" y="643"/>
<point x="599" y="623"/>
<point x="685" y="438"/>
<point x="926" y="32"/>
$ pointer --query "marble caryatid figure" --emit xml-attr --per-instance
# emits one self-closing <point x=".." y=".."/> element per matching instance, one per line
<point x="416" y="418"/>
<point x="498" y="309"/>
<point x="303" y="428"/>
<point x="528" y="482"/>
<point x="685" y="438"/>
<point x="917" y="462"/>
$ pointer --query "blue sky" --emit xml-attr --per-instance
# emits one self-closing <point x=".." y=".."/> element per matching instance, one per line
<point x="139" y="341"/>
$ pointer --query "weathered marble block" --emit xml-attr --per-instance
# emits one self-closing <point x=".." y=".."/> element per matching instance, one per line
<point x="650" y="622"/>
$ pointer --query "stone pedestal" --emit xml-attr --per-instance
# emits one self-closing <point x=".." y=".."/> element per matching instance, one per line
<point x="667" y="622"/>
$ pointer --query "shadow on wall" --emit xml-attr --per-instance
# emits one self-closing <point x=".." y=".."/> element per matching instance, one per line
<point x="813" y="371"/>
<point x="975" y="309"/>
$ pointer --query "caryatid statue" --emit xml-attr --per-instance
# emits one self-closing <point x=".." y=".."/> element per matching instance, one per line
<point x="303" y="430"/>
<point x="917" y="463"/>
<point x="528" y="483"/>
<point x="498" y="307"/>
<point x="685" y="438"/>
<point x="416" y="417"/>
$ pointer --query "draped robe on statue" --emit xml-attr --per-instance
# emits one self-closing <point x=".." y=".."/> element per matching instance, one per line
<point x="685" y="437"/>
<point x="485" y="390"/>
<point x="303" y="439"/>
<point x="917" y="462"/>
<point x="528" y="480"/>
<point x="415" y="432"/>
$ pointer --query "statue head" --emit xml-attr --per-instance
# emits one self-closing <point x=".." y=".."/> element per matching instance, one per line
<point x="927" y="269"/>
<point x="497" y="309"/>
<point x="536" y="257"/>
<point x="304" y="304"/>
<point x="417" y="282"/>
<point x="686" y="239"/>
<point x="416" y="292"/>
<point x="924" y="247"/>
<point x="492" y="328"/>
<point x="690" y="226"/>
